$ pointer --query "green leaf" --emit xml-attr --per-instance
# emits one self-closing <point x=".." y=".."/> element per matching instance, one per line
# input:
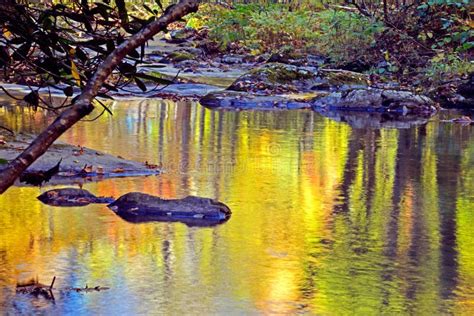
<point x="104" y="106"/>
<point x="32" y="99"/>
<point x="134" y="54"/>
<point x="140" y="84"/>
<point x="149" y="9"/>
<point x="127" y="69"/>
<point x="68" y="91"/>
<point x="158" y="2"/>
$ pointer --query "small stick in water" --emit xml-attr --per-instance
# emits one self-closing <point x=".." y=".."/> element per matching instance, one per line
<point x="52" y="283"/>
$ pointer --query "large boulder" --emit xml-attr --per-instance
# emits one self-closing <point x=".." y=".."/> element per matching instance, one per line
<point x="377" y="100"/>
<point x="141" y="207"/>
<point x="71" y="197"/>
<point x="276" y="78"/>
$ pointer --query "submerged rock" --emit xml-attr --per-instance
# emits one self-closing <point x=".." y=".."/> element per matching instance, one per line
<point x="377" y="100"/>
<point x="71" y="197"/>
<point x="191" y="210"/>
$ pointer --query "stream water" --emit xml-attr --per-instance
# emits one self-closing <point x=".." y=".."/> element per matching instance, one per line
<point x="327" y="219"/>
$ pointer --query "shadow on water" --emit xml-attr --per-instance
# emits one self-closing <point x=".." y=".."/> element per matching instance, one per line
<point x="326" y="218"/>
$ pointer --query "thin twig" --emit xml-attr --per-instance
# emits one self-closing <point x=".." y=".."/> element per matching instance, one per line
<point x="10" y="95"/>
<point x="7" y="129"/>
<point x="95" y="118"/>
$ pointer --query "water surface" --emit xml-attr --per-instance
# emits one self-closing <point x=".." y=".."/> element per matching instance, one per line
<point x="327" y="219"/>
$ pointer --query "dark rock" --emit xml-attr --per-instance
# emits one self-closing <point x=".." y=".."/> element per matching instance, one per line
<point x="262" y="58"/>
<point x="71" y="197"/>
<point x="191" y="210"/>
<point x="377" y="100"/>
<point x="357" y="66"/>
<point x="458" y="93"/>
<point x="466" y="89"/>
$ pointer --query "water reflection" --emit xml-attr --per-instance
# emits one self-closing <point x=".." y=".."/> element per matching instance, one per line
<point x="326" y="219"/>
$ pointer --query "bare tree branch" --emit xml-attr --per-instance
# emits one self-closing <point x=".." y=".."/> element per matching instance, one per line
<point x="83" y="104"/>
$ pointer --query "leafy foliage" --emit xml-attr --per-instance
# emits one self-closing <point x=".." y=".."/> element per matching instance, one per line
<point x="60" y="45"/>
<point x="347" y="37"/>
<point x="258" y="27"/>
<point x="444" y="67"/>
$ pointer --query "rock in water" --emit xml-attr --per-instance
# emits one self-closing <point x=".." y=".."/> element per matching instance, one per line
<point x="377" y="100"/>
<point x="191" y="210"/>
<point x="71" y="197"/>
<point x="274" y="78"/>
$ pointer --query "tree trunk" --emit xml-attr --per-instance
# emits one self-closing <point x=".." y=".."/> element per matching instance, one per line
<point x="83" y="104"/>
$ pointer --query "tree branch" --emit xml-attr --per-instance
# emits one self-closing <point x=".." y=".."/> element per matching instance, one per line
<point x="83" y="104"/>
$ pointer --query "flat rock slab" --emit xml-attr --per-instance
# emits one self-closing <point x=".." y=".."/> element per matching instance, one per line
<point x="212" y="74"/>
<point x="71" y="197"/>
<point x="191" y="210"/>
<point x="184" y="90"/>
<point x="100" y="165"/>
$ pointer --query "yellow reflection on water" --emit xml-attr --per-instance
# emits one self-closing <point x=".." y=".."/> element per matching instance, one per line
<point x="326" y="219"/>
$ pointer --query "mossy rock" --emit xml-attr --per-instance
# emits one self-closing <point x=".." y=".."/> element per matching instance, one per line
<point x="282" y="73"/>
<point x="273" y="76"/>
<point x="179" y="36"/>
<point x="178" y="56"/>
<point x="338" y="77"/>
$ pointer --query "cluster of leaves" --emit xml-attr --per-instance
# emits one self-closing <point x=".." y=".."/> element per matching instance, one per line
<point x="61" y="45"/>
<point x="342" y="36"/>
<point x="447" y="66"/>
<point x="446" y="24"/>
<point x="417" y="34"/>
<point x="261" y="28"/>
<point x="347" y="37"/>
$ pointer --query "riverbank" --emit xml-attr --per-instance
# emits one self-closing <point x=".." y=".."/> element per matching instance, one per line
<point x="78" y="164"/>
<point x="426" y="49"/>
